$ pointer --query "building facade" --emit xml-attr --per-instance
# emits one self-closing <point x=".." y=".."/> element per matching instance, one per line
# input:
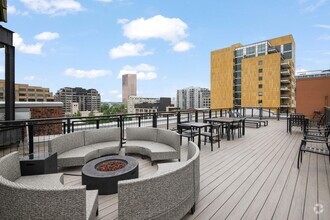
<point x="313" y="91"/>
<point x="261" y="74"/>
<point x="87" y="99"/>
<point x="146" y="105"/>
<point x="27" y="93"/>
<point x="128" y="87"/>
<point x="193" y="97"/>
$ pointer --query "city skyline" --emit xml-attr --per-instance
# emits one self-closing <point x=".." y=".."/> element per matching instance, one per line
<point x="71" y="43"/>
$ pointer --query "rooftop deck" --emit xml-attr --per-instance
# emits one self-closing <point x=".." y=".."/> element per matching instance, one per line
<point x="253" y="177"/>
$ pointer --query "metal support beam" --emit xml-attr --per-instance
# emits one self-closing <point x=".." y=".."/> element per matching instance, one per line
<point x="10" y="83"/>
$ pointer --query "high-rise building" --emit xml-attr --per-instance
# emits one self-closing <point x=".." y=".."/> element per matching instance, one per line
<point x="128" y="87"/>
<point x="261" y="74"/>
<point x="87" y="99"/>
<point x="27" y="93"/>
<point x="192" y="97"/>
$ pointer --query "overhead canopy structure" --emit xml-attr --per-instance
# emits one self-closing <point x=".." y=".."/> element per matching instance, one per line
<point x="3" y="11"/>
<point x="6" y="41"/>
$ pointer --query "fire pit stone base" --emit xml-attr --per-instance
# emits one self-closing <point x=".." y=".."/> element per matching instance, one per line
<point x="107" y="181"/>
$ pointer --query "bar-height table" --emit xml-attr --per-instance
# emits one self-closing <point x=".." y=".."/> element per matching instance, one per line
<point x="228" y="122"/>
<point x="198" y="125"/>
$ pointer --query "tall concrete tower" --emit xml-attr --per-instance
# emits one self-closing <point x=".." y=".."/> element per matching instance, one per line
<point x="128" y="87"/>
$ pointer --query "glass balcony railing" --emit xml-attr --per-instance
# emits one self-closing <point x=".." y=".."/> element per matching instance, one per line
<point x="285" y="73"/>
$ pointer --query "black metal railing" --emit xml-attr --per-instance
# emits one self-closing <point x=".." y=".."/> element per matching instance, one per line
<point x="27" y="136"/>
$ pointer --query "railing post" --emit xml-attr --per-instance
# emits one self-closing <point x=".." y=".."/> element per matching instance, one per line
<point x="68" y="125"/>
<point x="244" y="111"/>
<point x="139" y="121"/>
<point x="260" y="113"/>
<point x="210" y="113"/>
<point x="278" y="114"/>
<point x="220" y="112"/>
<point x="167" y="121"/>
<point x="121" y="125"/>
<point x="178" y="118"/>
<point x="252" y="113"/>
<point x="30" y="128"/>
<point x="64" y="127"/>
<point x="287" y="113"/>
<point x="97" y="123"/>
<point x="269" y="113"/>
<point x="196" y="116"/>
<point x="154" y="120"/>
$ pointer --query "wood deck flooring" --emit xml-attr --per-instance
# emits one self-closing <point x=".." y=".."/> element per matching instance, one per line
<point x="253" y="177"/>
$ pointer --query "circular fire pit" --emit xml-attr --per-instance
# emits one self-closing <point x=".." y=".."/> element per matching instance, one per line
<point x="105" y="172"/>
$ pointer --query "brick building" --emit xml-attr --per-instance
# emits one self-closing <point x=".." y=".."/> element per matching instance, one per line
<point x="313" y="91"/>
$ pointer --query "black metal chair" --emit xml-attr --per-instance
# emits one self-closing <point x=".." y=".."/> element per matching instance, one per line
<point x="188" y="132"/>
<point x="213" y="134"/>
<point x="316" y="140"/>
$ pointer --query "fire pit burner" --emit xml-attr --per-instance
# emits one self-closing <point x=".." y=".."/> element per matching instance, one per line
<point x="110" y="165"/>
<point x="95" y="176"/>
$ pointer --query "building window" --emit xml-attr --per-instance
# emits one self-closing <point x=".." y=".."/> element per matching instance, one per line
<point x="259" y="93"/>
<point x="287" y="47"/>
<point x="260" y="78"/>
<point x="259" y="102"/>
<point x="261" y="49"/>
<point x="260" y="62"/>
<point x="260" y="86"/>
<point x="260" y="70"/>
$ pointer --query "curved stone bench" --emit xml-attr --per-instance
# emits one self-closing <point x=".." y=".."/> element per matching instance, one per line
<point x="77" y="148"/>
<point x="41" y="196"/>
<point x="156" y="143"/>
<point x="169" y="194"/>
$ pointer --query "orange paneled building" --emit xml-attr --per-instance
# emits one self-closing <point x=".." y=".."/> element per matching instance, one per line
<point x="255" y="75"/>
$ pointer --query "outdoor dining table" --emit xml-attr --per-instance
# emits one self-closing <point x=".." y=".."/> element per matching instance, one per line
<point x="198" y="125"/>
<point x="228" y="122"/>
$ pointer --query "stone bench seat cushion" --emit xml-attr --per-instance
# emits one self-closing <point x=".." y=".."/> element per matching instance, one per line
<point x="102" y="135"/>
<point x="168" y="195"/>
<point x="91" y="203"/>
<point x="155" y="150"/>
<point x="105" y="148"/>
<point x="67" y="142"/>
<point x="54" y="180"/>
<point x="77" y="157"/>
<point x="169" y="167"/>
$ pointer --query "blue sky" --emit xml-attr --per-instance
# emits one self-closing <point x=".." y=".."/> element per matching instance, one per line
<point x="167" y="43"/>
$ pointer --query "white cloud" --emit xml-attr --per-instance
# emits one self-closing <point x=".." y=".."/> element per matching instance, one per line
<point x="29" y="49"/>
<point x="311" y="6"/>
<point x="322" y="26"/>
<point x="142" y="71"/>
<point x="182" y="46"/>
<point x="159" y="27"/>
<point x="122" y="21"/>
<point x="113" y="92"/>
<point x="11" y="9"/>
<point x="105" y="1"/>
<point x="128" y="50"/>
<point x="324" y="37"/>
<point x="91" y="74"/>
<point x="53" y="7"/>
<point x="29" y="78"/>
<point x="47" y="36"/>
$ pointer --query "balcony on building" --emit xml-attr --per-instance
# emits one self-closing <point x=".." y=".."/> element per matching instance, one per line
<point x="285" y="64"/>
<point x="285" y="96"/>
<point x="285" y="80"/>
<point x="285" y="88"/>
<point x="285" y="72"/>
